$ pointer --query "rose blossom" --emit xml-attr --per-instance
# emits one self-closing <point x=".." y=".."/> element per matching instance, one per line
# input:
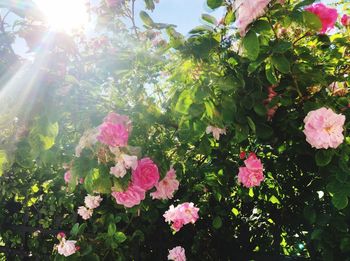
<point x="327" y="15"/>
<point x="84" y="212"/>
<point x="216" y="131"/>
<point x="67" y="176"/>
<point x="92" y="202"/>
<point x="252" y="174"/>
<point x="113" y="134"/>
<point x="66" y="247"/>
<point x="118" y="170"/>
<point x="146" y="175"/>
<point x="345" y="20"/>
<point x="116" y="118"/>
<point x="129" y="161"/>
<point x="324" y="128"/>
<point x="247" y="11"/>
<point x="177" y="254"/>
<point x="88" y="139"/>
<point x="167" y="186"/>
<point x="181" y="215"/>
<point x="131" y="197"/>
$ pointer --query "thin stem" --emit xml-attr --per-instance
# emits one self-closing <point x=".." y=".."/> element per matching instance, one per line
<point x="133" y="19"/>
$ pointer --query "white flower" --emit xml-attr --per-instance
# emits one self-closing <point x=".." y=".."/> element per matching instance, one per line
<point x="216" y="131"/>
<point x="84" y="212"/>
<point x="66" y="247"/>
<point x="92" y="201"/>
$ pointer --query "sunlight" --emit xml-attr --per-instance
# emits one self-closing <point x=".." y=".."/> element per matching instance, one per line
<point x="64" y="15"/>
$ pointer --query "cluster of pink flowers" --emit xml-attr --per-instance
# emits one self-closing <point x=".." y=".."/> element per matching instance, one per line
<point x="183" y="214"/>
<point x="124" y="162"/>
<point x="327" y="15"/>
<point x="143" y="178"/>
<point x="177" y="254"/>
<point x="167" y="186"/>
<point x="247" y="11"/>
<point x="216" y="131"/>
<point x="324" y="128"/>
<point x="91" y="202"/>
<point x="115" y="130"/>
<point x="66" y="247"/>
<point x="252" y="174"/>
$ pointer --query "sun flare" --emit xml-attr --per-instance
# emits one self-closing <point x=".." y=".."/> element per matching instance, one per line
<point x="64" y="15"/>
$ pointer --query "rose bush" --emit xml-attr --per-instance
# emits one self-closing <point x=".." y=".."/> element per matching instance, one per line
<point x="249" y="113"/>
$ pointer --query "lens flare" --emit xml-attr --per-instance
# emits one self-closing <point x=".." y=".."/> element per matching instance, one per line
<point x="64" y="15"/>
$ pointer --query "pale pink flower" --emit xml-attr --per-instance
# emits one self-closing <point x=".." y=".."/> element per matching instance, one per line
<point x="129" y="161"/>
<point x="327" y="15"/>
<point x="252" y="174"/>
<point x="177" y="254"/>
<point x="146" y="175"/>
<point x="345" y="20"/>
<point x="92" y="202"/>
<point x="113" y="134"/>
<point x="66" y="247"/>
<point x="216" y="131"/>
<point x="88" y="139"/>
<point x="116" y="118"/>
<point x="84" y="212"/>
<point x="338" y="88"/>
<point x="183" y="214"/>
<point x="167" y="186"/>
<point x="131" y="197"/>
<point x="67" y="176"/>
<point x="324" y="128"/>
<point x="118" y="170"/>
<point x="247" y="11"/>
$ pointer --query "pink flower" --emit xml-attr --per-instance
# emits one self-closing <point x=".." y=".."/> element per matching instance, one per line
<point x="131" y="197"/>
<point x="113" y="134"/>
<point x="87" y="140"/>
<point x="67" y="176"/>
<point x="247" y="11"/>
<point x="84" y="212"/>
<point x="146" y="175"/>
<point x="61" y="235"/>
<point x="183" y="214"/>
<point x="177" y="254"/>
<point x="345" y="20"/>
<point x="118" y="170"/>
<point x="116" y="118"/>
<point x="92" y="202"/>
<point x="216" y="131"/>
<point x="324" y="128"/>
<point x="327" y="15"/>
<point x="242" y="155"/>
<point x="66" y="247"/>
<point x="167" y="186"/>
<point x="129" y="161"/>
<point x="252" y="174"/>
<point x="113" y="3"/>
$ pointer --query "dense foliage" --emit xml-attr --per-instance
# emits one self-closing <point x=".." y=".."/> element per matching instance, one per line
<point x="252" y="87"/>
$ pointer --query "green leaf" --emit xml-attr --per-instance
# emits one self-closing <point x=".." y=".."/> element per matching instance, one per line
<point x="184" y="102"/>
<point x="303" y="3"/>
<point x="217" y="222"/>
<point x="150" y="4"/>
<point x="274" y="200"/>
<point x="271" y="74"/>
<point x="146" y="19"/>
<point x="323" y="157"/>
<point x="120" y="237"/>
<point x="3" y="161"/>
<point x="251" y="45"/>
<point x="281" y="63"/>
<point x="210" y="19"/>
<point x="97" y="181"/>
<point x="251" y="124"/>
<point x="263" y="131"/>
<point x="214" y="3"/>
<point x="340" y="200"/>
<point x="235" y="211"/>
<point x="112" y="229"/>
<point x="75" y="229"/>
<point x="312" y="21"/>
<point x="310" y="214"/>
<point x="260" y="109"/>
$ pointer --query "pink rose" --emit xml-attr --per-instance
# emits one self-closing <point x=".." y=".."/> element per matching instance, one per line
<point x="324" y="128"/>
<point x="216" y="131"/>
<point x="327" y="15"/>
<point x="252" y="174"/>
<point x="92" y="202"/>
<point x="131" y="197"/>
<point x="116" y="118"/>
<point x="247" y="11"/>
<point x="183" y="214"/>
<point x="67" y="176"/>
<point x="167" y="186"/>
<point x="84" y="212"/>
<point x="113" y="134"/>
<point x="118" y="170"/>
<point x="146" y="175"/>
<point x="129" y="161"/>
<point x="345" y="20"/>
<point x="66" y="247"/>
<point x="177" y="254"/>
